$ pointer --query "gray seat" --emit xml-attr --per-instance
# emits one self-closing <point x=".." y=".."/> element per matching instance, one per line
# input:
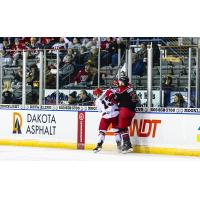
<point x="175" y="70"/>
<point x="136" y="80"/>
<point x="156" y="81"/>
<point x="143" y="81"/>
<point x="183" y="81"/>
<point x="8" y="77"/>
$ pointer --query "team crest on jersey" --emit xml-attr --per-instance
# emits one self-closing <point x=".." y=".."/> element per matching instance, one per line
<point x="130" y="90"/>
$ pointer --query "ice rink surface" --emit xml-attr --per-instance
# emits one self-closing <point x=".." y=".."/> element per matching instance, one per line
<point x="82" y="175"/>
<point x="52" y="154"/>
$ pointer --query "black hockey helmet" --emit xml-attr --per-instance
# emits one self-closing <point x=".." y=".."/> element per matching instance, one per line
<point x="124" y="79"/>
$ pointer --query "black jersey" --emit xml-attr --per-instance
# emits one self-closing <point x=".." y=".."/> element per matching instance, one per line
<point x="126" y="97"/>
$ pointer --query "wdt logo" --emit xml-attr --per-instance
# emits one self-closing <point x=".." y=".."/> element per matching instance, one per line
<point x="17" y="123"/>
<point x="144" y="127"/>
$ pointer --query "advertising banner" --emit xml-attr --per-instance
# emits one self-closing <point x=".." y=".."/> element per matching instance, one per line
<point x="171" y="130"/>
<point x="162" y="127"/>
<point x="81" y="130"/>
<point x="38" y="125"/>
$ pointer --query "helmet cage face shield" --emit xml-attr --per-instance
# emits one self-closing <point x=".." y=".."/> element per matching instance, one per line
<point x="120" y="83"/>
<point x="124" y="80"/>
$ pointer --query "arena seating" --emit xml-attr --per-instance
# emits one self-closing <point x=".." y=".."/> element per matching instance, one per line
<point x="80" y="55"/>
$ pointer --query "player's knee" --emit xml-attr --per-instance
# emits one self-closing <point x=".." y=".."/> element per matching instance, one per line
<point x="102" y="133"/>
<point x="123" y="130"/>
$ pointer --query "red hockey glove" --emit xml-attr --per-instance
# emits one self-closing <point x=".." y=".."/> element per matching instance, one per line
<point x="108" y="93"/>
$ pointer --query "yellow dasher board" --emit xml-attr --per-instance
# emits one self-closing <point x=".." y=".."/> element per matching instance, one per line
<point x="172" y="59"/>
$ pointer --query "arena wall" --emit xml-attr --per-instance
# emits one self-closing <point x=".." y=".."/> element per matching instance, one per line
<point x="162" y="131"/>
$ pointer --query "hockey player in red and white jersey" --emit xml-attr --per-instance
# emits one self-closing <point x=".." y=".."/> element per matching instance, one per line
<point x="110" y="112"/>
<point x="127" y="99"/>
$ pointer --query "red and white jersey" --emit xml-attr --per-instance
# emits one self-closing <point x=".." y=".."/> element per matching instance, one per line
<point x="59" y="46"/>
<point x="106" y="107"/>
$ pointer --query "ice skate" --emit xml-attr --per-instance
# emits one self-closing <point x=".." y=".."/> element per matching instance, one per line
<point x="126" y="148"/>
<point x="97" y="148"/>
<point x="119" y="146"/>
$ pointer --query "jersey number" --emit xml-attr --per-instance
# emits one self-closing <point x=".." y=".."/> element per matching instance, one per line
<point x="106" y="104"/>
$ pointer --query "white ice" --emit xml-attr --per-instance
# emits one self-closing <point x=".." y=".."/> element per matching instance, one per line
<point x="53" y="154"/>
<point x="84" y="180"/>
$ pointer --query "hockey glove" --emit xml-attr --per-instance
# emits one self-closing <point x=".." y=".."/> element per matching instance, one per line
<point x="109" y="93"/>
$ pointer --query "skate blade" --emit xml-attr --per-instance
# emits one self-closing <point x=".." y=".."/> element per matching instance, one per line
<point x="127" y="151"/>
<point x="96" y="151"/>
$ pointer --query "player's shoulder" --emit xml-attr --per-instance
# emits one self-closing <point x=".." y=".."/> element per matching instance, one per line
<point x="111" y="90"/>
<point x="97" y="101"/>
<point x="130" y="88"/>
<point x="121" y="89"/>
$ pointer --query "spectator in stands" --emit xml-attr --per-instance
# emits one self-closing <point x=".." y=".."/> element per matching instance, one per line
<point x="84" y="98"/>
<point x="108" y="46"/>
<point x="16" y="51"/>
<point x="183" y="71"/>
<point x="70" y="53"/>
<point x="61" y="45"/>
<point x="170" y="68"/>
<point x="81" y="57"/>
<point x="179" y="101"/>
<point x="49" y="101"/>
<point x="23" y="41"/>
<point x="105" y="43"/>
<point x="19" y="75"/>
<point x="139" y="61"/>
<point x="156" y="55"/>
<point x="6" y="45"/>
<point x="33" y="47"/>
<point x="72" y="98"/>
<point x="76" y="44"/>
<point x="93" y="79"/>
<point x="93" y="55"/>
<point x="87" y="43"/>
<point x="118" y="44"/>
<point x="167" y="87"/>
<point x="5" y="57"/>
<point x="142" y="53"/>
<point x="33" y="80"/>
<point x="7" y="95"/>
<point x="62" y="98"/>
<point x="168" y="82"/>
<point x="47" y="43"/>
<point x="94" y="42"/>
<point x="67" y="71"/>
<point x="50" y="78"/>
<point x="83" y="50"/>
<point x="138" y="68"/>
<point x="83" y="74"/>
<point x="33" y="75"/>
<point x="103" y="77"/>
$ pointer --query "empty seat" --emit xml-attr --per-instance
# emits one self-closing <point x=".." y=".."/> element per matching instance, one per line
<point x="193" y="61"/>
<point x="155" y="70"/>
<point x="156" y="81"/>
<point x="8" y="77"/>
<point x="175" y="70"/>
<point x="136" y="80"/>
<point x="143" y="81"/>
